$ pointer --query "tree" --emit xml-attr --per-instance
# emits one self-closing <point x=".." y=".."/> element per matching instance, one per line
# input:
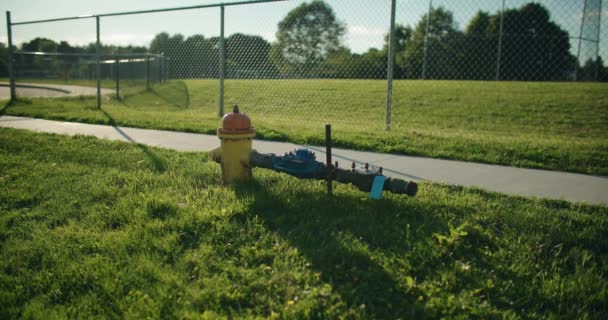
<point x="40" y="45"/>
<point x="200" y="56"/>
<point x="480" y="44"/>
<point x="443" y="47"/>
<point x="403" y="36"/>
<point x="160" y="43"/>
<point x="305" y="37"/>
<point x="173" y="48"/>
<point x="247" y="56"/>
<point x="534" y="47"/>
<point x="68" y="63"/>
<point x="592" y="70"/>
<point x="34" y="65"/>
<point x="3" y="60"/>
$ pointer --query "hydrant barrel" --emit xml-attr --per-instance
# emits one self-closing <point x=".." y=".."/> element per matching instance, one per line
<point x="236" y="136"/>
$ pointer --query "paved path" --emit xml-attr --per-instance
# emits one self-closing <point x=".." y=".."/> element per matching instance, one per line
<point x="40" y="90"/>
<point x="509" y="180"/>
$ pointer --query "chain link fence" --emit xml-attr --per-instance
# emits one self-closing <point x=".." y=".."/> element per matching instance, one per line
<point x="75" y="74"/>
<point x="302" y="63"/>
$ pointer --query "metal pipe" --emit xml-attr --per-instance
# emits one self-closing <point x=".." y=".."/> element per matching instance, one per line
<point x="163" y="69"/>
<point x="167" y="66"/>
<point x="499" y="53"/>
<point x="123" y="55"/>
<point x="222" y="62"/>
<point x="362" y="180"/>
<point x="391" y="63"/>
<point x="117" y="78"/>
<point x="148" y="72"/>
<point x="160" y="69"/>
<point x="11" y="71"/>
<point x="580" y="40"/>
<point x="149" y="11"/>
<point x="98" y="65"/>
<point x="87" y="16"/>
<point x="329" y="165"/>
<point x="426" y="39"/>
<point x="597" y="48"/>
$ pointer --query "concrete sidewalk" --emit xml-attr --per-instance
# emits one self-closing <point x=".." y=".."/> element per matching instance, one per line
<point x="514" y="181"/>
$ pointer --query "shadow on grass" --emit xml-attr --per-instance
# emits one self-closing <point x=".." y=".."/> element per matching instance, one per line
<point x="4" y="107"/>
<point x="158" y="164"/>
<point x="173" y="94"/>
<point x="348" y="242"/>
<point x="179" y="97"/>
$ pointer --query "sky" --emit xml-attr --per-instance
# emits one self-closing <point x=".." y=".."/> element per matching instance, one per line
<point x="367" y="21"/>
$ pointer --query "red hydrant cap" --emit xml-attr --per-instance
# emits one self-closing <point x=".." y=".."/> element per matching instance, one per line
<point x="236" y="123"/>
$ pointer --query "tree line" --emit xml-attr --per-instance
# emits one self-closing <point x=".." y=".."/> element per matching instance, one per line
<point x="533" y="47"/>
<point x="60" y="66"/>
<point x="310" y="44"/>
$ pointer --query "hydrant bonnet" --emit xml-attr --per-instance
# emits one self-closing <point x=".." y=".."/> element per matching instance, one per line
<point x="236" y="123"/>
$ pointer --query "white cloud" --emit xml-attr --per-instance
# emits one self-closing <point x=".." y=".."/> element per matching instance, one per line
<point x="124" y="39"/>
<point x="361" y="38"/>
<point x="362" y="31"/>
<point x="269" y="36"/>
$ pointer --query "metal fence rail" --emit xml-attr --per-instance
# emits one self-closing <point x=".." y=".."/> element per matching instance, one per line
<point x="128" y="73"/>
<point x="497" y="40"/>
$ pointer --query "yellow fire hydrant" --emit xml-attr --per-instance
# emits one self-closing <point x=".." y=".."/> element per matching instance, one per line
<point x="234" y="153"/>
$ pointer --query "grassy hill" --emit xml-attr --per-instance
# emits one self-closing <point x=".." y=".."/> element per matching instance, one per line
<point x="97" y="229"/>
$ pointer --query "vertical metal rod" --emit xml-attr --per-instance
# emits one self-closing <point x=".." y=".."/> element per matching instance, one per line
<point x="166" y="66"/>
<point x="147" y="72"/>
<point x="222" y="62"/>
<point x="597" y="48"/>
<point x="500" y="33"/>
<point x="391" y="63"/>
<point x="97" y="64"/>
<point x="166" y="62"/>
<point x="11" y="71"/>
<point x="160" y="69"/>
<point x="580" y="40"/>
<point x="426" y="39"/>
<point x="328" y="158"/>
<point x="117" y="73"/>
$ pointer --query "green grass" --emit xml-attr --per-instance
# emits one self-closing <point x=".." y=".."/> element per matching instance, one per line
<point x="558" y="126"/>
<point x="95" y="229"/>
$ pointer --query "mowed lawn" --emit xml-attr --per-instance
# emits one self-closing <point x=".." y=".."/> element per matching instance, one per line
<point x="97" y="229"/>
<point x="559" y="126"/>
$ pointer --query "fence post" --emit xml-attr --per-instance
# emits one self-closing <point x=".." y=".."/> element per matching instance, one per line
<point x="166" y="65"/>
<point x="391" y="63"/>
<point x="426" y="39"/>
<point x="500" y="32"/>
<point x="580" y="40"/>
<point x="597" y="48"/>
<point x="162" y="68"/>
<point x="97" y="64"/>
<point x="11" y="71"/>
<point x="159" y="65"/>
<point x="117" y="74"/>
<point x="222" y="61"/>
<point x="147" y="72"/>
